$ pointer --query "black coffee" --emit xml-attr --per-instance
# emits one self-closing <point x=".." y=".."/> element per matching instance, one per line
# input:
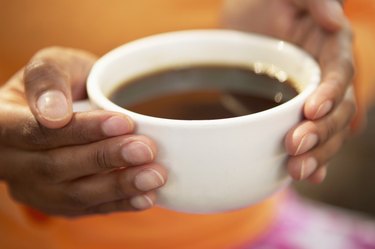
<point x="203" y="92"/>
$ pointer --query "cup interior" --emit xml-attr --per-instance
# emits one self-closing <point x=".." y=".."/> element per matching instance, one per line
<point x="201" y="47"/>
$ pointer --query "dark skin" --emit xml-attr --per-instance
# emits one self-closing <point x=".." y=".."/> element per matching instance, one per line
<point x="75" y="164"/>
<point x="83" y="163"/>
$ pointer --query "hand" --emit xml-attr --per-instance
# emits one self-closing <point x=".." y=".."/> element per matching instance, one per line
<point x="67" y="163"/>
<point x="319" y="27"/>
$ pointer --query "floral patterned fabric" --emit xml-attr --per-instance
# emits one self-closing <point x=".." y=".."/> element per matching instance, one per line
<point x="303" y="224"/>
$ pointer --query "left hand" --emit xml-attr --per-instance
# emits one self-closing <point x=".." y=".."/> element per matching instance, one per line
<point x="320" y="28"/>
<point x="69" y="163"/>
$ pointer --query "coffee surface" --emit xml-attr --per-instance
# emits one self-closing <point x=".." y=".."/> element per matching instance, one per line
<point x="203" y="92"/>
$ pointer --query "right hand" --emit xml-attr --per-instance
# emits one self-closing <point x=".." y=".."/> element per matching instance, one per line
<point x="320" y="28"/>
<point x="66" y="163"/>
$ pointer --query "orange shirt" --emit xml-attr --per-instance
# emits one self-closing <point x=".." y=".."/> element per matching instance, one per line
<point x="98" y="26"/>
<point x="156" y="228"/>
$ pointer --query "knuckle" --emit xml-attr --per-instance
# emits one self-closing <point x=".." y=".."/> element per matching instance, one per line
<point x="48" y="168"/>
<point x="118" y="187"/>
<point x="328" y="130"/>
<point x="331" y="128"/>
<point x="75" y="200"/>
<point x="102" y="159"/>
<point x="41" y="71"/>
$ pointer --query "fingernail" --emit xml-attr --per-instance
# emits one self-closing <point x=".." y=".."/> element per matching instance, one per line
<point x="52" y="105"/>
<point x="308" y="141"/>
<point x="148" y="180"/>
<point x="141" y="202"/>
<point x="323" y="109"/>
<point x="137" y="153"/>
<point x="335" y="11"/>
<point x="116" y="126"/>
<point x="308" y="166"/>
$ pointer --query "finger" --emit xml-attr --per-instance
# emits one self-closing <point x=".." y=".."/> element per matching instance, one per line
<point x="303" y="166"/>
<point x="300" y="31"/>
<point x="68" y="163"/>
<point x="336" y="61"/>
<point x="313" y="42"/>
<point x="52" y="78"/>
<point x="127" y="186"/>
<point x="137" y="203"/>
<point x="328" y="13"/>
<point x="117" y="185"/>
<point x="319" y="175"/>
<point x="84" y="128"/>
<point x="311" y="133"/>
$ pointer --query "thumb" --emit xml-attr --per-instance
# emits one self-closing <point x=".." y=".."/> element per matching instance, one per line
<point x="52" y="78"/>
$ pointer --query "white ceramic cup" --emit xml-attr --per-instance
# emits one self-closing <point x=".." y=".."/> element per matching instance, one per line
<point x="214" y="165"/>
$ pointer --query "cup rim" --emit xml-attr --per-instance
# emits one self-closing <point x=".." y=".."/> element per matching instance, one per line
<point x="99" y="99"/>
